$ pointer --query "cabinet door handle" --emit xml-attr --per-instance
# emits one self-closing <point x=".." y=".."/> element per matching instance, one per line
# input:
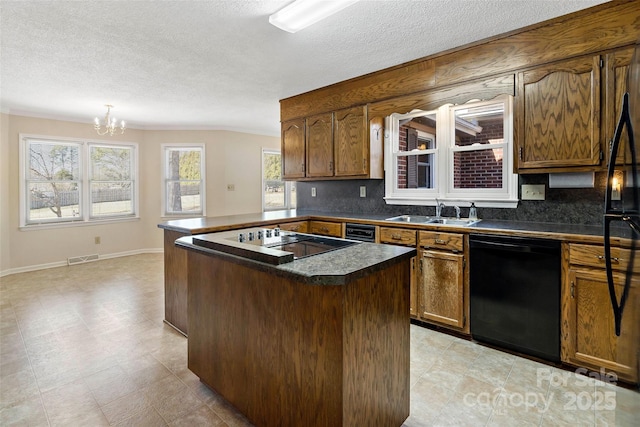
<point x="331" y="165"/>
<point x="613" y="259"/>
<point x="396" y="237"/>
<point x="573" y="287"/>
<point x="440" y="242"/>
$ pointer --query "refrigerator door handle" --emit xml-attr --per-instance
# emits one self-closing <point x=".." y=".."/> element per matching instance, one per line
<point x="612" y="214"/>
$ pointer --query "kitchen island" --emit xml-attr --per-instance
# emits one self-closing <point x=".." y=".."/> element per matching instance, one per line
<point x="319" y="341"/>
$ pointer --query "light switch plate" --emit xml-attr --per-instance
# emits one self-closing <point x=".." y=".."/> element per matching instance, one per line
<point x="313" y="191"/>
<point x="532" y="191"/>
<point x="363" y="191"/>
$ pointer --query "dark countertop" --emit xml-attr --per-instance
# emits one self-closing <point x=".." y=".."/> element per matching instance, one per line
<point x="561" y="231"/>
<point x="338" y="267"/>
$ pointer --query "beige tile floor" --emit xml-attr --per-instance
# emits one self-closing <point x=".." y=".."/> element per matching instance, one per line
<point x="86" y="346"/>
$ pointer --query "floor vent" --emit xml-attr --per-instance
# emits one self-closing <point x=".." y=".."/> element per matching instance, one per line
<point x="81" y="259"/>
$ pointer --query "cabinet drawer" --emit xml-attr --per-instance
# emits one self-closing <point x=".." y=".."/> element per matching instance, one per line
<point x="299" y="226"/>
<point x="593" y="256"/>
<point x="447" y="241"/>
<point x="397" y="236"/>
<point x="326" y="228"/>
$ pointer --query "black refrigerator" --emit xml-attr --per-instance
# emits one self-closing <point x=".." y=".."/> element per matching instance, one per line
<point x="622" y="196"/>
<point x="622" y="218"/>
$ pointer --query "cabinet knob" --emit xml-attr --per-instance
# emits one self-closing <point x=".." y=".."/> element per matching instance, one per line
<point x="396" y="237"/>
<point x="440" y="242"/>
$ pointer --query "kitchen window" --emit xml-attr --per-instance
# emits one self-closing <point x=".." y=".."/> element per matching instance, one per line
<point x="183" y="184"/>
<point x="458" y="154"/>
<point x="68" y="180"/>
<point x="276" y="193"/>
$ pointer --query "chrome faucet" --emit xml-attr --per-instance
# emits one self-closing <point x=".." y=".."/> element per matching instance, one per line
<point x="457" y="208"/>
<point x="439" y="207"/>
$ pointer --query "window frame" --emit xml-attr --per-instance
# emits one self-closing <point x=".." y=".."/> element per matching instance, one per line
<point x="288" y="185"/>
<point x="443" y="190"/>
<point x="84" y="197"/>
<point x="165" y="148"/>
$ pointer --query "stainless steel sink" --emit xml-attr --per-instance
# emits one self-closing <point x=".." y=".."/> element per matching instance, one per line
<point x="420" y="219"/>
<point x="454" y="221"/>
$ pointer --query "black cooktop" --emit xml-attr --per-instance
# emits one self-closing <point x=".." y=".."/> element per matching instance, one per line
<point x="270" y="246"/>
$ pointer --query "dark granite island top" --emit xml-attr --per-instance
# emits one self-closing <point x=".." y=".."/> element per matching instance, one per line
<point x="319" y="341"/>
<point x="337" y="267"/>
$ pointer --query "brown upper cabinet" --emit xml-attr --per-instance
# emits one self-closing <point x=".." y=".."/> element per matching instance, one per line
<point x="332" y="145"/>
<point x="319" y="134"/>
<point x="293" y="149"/>
<point x="558" y="116"/>
<point x="616" y="70"/>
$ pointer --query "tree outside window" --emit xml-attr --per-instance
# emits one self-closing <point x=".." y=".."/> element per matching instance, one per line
<point x="184" y="180"/>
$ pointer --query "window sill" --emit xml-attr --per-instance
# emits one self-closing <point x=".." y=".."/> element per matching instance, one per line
<point x="481" y="203"/>
<point x="67" y="224"/>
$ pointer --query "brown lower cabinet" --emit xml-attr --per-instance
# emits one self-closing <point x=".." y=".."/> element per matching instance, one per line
<point x="404" y="237"/>
<point x="588" y="337"/>
<point x="298" y="226"/>
<point x="326" y="228"/>
<point x="442" y="280"/>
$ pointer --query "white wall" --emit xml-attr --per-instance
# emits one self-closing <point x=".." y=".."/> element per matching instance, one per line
<point x="231" y="158"/>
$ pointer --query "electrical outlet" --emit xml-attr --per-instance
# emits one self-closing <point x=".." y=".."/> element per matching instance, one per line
<point x="231" y="187"/>
<point x="96" y="240"/>
<point x="363" y="191"/>
<point x="533" y="192"/>
<point x="313" y="191"/>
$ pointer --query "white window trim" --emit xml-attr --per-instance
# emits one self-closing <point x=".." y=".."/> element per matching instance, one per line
<point x="163" y="181"/>
<point x="85" y="207"/>
<point x="506" y="197"/>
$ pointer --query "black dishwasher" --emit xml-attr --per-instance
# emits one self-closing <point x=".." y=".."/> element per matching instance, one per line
<point x="515" y="294"/>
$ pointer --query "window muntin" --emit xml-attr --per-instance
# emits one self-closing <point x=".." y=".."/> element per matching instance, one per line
<point x="276" y="193"/>
<point x="184" y="180"/>
<point x="465" y="157"/>
<point x="58" y="185"/>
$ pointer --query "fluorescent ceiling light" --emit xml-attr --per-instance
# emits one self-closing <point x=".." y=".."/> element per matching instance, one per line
<point x="302" y="13"/>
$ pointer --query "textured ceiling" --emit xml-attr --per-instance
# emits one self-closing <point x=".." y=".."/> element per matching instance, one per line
<point x="220" y="64"/>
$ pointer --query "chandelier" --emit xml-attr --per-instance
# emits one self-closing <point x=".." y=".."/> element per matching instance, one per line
<point x="109" y="124"/>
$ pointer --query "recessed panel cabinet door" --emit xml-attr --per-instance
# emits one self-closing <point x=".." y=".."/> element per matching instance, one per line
<point x="351" y="142"/>
<point x="320" y="145"/>
<point x="441" y="291"/>
<point x="588" y="325"/>
<point x="293" y="149"/>
<point x="558" y="116"/>
<point x="617" y="69"/>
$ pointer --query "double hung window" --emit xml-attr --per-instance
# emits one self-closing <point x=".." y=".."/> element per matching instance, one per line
<point x="68" y="180"/>
<point x="184" y="180"/>
<point x="456" y="153"/>
<point x="276" y="193"/>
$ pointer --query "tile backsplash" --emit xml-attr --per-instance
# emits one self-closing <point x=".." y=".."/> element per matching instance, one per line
<point x="574" y="206"/>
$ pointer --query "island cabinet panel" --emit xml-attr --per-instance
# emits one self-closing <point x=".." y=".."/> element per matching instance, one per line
<point x="558" y="116"/>
<point x="175" y="282"/>
<point x="293" y="148"/>
<point x="286" y="353"/>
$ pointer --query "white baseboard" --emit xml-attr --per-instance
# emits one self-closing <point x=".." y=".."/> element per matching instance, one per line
<point x="65" y="263"/>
